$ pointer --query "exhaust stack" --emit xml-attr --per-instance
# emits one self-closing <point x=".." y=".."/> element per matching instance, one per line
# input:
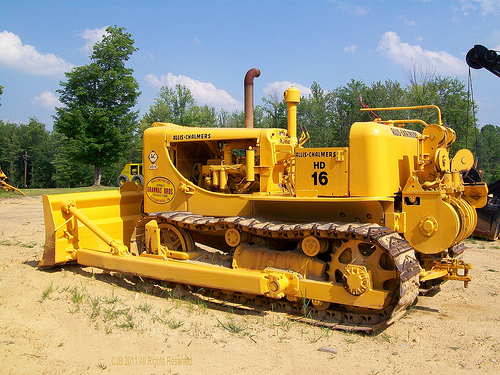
<point x="292" y="98"/>
<point x="251" y="74"/>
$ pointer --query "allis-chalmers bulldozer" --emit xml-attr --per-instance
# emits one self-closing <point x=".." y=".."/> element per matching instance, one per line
<point x="345" y="236"/>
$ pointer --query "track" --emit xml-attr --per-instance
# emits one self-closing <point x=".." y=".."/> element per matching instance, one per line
<point x="336" y="316"/>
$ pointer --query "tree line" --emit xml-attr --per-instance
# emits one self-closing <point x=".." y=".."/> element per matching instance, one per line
<point x="97" y="131"/>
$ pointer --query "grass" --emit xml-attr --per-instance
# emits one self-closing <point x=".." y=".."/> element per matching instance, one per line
<point x="46" y="293"/>
<point x="9" y="242"/>
<point x="128" y="322"/>
<point x="30" y="245"/>
<point x="39" y="192"/>
<point x="174" y="323"/>
<point x="386" y="337"/>
<point x="102" y="366"/>
<point x="351" y="338"/>
<point x="145" y="307"/>
<point x="109" y="313"/>
<point x="232" y="326"/>
<point x="13" y="242"/>
<point x="167" y="310"/>
<point x="410" y="309"/>
<point x="314" y="338"/>
<point x="112" y="314"/>
<point x="77" y="309"/>
<point x="110" y="300"/>
<point x="285" y="323"/>
<point x="95" y="307"/>
<point x="76" y="295"/>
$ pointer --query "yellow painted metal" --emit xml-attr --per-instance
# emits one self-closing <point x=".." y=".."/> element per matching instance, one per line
<point x="462" y="161"/>
<point x="269" y="282"/>
<point x="357" y="279"/>
<point x="258" y="258"/>
<point x="381" y="159"/>
<point x="292" y="98"/>
<point x="113" y="211"/>
<point x="450" y="269"/>
<point x="152" y="238"/>
<point x="388" y="175"/>
<point x="153" y="243"/>
<point x="131" y="169"/>
<point x="412" y="107"/>
<point x="312" y="246"/>
<point x="266" y="281"/>
<point x="232" y="237"/>
<point x="117" y="246"/>
<point x="6" y="186"/>
<point x="322" y="172"/>
<point x="476" y="195"/>
<point x="432" y="223"/>
<point x="250" y="175"/>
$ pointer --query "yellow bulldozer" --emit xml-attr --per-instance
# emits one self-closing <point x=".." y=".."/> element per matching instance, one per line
<point x="4" y="185"/>
<point x="345" y="236"/>
<point x="131" y="172"/>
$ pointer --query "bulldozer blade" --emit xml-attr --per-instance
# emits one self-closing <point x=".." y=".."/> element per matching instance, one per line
<point x="113" y="211"/>
<point x="488" y="221"/>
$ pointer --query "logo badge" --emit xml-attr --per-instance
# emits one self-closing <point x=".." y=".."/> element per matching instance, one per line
<point x="153" y="156"/>
<point x="160" y="190"/>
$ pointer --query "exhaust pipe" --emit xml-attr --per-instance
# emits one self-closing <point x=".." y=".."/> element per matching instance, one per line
<point x="251" y="74"/>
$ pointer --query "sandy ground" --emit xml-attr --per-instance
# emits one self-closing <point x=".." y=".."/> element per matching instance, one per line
<point x="76" y="320"/>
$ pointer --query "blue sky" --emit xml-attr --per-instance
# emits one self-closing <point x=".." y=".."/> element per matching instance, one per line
<point x="209" y="45"/>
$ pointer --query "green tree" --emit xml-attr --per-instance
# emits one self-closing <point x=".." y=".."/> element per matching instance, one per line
<point x="204" y="117"/>
<point x="34" y="139"/>
<point x="237" y="118"/>
<point x="457" y="113"/>
<point x="97" y="118"/>
<point x="68" y="172"/>
<point x="450" y="96"/>
<point x="313" y="113"/>
<point x="10" y="153"/>
<point x="489" y="152"/>
<point x="387" y="94"/>
<point x="171" y="105"/>
<point x="274" y="112"/>
<point x="345" y="106"/>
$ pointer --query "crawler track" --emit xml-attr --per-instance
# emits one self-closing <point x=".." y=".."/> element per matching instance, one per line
<point x="337" y="316"/>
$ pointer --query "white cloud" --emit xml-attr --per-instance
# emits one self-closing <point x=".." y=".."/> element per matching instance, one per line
<point x="350" y="48"/>
<point x="92" y="37"/>
<point x="406" y="20"/>
<point x="487" y="6"/>
<point x="494" y="40"/>
<point x="351" y="8"/>
<point x="27" y="59"/>
<point x="203" y="92"/>
<point x="279" y="87"/>
<point x="47" y="99"/>
<point x="405" y="54"/>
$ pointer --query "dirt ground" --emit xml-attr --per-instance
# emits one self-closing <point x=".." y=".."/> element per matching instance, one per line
<point x="76" y="320"/>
